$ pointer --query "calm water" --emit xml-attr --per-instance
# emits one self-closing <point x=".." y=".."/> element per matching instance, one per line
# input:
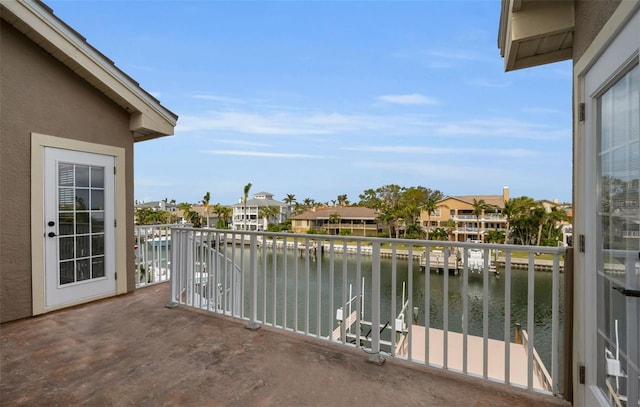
<point x="280" y="276"/>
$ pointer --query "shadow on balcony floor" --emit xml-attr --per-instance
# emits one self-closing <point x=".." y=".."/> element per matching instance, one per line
<point x="131" y="350"/>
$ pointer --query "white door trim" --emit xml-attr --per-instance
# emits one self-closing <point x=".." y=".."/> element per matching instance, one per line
<point x="38" y="144"/>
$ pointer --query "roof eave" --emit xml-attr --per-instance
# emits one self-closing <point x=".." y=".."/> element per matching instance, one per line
<point x="533" y="33"/>
<point x="148" y="118"/>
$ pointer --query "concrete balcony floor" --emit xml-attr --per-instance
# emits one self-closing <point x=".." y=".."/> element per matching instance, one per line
<point x="131" y="350"/>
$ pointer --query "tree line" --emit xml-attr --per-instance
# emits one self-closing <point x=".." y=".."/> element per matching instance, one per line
<point x="399" y="208"/>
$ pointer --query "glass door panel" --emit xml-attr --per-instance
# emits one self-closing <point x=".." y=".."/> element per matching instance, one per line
<point x="618" y="221"/>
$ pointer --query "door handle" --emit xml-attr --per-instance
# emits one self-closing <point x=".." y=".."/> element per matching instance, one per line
<point x="626" y="292"/>
<point x="51" y="234"/>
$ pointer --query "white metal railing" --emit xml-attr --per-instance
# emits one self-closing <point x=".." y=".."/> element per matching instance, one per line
<point x="451" y="318"/>
<point x="153" y="254"/>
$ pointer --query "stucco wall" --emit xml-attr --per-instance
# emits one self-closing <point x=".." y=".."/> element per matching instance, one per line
<point x="590" y="16"/>
<point x="40" y="94"/>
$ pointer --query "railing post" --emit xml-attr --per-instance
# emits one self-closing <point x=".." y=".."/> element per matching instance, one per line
<point x="567" y="382"/>
<point x="253" y="283"/>
<point x="375" y="356"/>
<point x="175" y="272"/>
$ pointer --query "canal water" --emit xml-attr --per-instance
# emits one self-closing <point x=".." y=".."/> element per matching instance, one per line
<point x="280" y="275"/>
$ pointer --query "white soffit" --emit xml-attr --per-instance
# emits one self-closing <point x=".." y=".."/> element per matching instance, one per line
<point x="534" y="32"/>
<point x="149" y="119"/>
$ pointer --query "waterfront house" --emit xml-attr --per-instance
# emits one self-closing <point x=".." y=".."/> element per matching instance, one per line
<point x="603" y="40"/>
<point x="334" y="220"/>
<point x="69" y="121"/>
<point x="460" y="210"/>
<point x="158" y="206"/>
<point x="254" y="217"/>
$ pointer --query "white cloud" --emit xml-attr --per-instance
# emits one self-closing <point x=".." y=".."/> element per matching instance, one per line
<point x="241" y="143"/>
<point x="286" y="123"/>
<point x="504" y="128"/>
<point x="486" y="83"/>
<point x="513" y="152"/>
<point x="409" y="99"/>
<point x="216" y="98"/>
<point x="444" y="171"/>
<point x="259" y="154"/>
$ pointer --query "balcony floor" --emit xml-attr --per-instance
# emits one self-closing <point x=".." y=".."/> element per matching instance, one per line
<point x="131" y="350"/>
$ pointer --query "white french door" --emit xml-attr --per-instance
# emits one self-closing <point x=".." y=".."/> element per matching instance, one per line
<point x="79" y="238"/>
<point x="612" y="202"/>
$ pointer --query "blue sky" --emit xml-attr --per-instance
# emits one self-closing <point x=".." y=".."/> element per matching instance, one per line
<point x="319" y="99"/>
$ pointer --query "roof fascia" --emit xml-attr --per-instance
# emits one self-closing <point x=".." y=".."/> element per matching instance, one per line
<point x="149" y="119"/>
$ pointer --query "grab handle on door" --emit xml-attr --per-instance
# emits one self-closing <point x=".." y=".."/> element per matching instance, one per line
<point x="626" y="292"/>
<point x="51" y="234"/>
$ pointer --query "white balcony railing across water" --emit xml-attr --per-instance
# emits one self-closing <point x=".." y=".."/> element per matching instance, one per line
<point x="388" y="297"/>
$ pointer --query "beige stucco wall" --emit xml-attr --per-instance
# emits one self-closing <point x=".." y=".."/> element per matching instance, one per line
<point x="590" y="16"/>
<point x="40" y="94"/>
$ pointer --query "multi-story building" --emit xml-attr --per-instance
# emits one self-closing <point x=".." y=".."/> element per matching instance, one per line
<point x="158" y="206"/>
<point x="468" y="226"/>
<point x="253" y="218"/>
<point x="352" y="220"/>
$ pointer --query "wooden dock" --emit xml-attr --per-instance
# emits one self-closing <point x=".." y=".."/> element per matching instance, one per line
<point x="351" y="319"/>
<point x="495" y="359"/>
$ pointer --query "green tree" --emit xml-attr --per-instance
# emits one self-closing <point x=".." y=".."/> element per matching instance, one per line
<point x="343" y="200"/>
<point x="430" y="206"/>
<point x="552" y="232"/>
<point x="205" y="202"/>
<point x="526" y="217"/>
<point x="185" y="207"/>
<point x="334" y="219"/>
<point x="439" y="234"/>
<point x="246" y="190"/>
<point x="494" y="236"/>
<point x="290" y="199"/>
<point x="266" y="213"/>
<point x="479" y="208"/>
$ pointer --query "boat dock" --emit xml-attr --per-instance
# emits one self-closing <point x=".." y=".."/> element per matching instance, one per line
<point x="475" y="345"/>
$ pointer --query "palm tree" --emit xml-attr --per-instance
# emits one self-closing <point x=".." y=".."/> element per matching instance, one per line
<point x="554" y="217"/>
<point x="342" y="200"/>
<point x="430" y="206"/>
<point x="246" y="190"/>
<point x="334" y="219"/>
<point x="289" y="200"/>
<point x="479" y="207"/>
<point x="268" y="212"/>
<point x="205" y="201"/>
<point x="224" y="214"/>
<point x="185" y="207"/>
<point x="508" y="212"/>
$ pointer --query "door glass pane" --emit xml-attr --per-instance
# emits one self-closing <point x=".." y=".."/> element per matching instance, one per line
<point x="66" y="248"/>
<point x="618" y="237"/>
<point x="66" y="199"/>
<point x="82" y="199"/>
<point x="97" y="222"/>
<point x="65" y="223"/>
<point x="97" y="245"/>
<point x="83" y="269"/>
<point x="97" y="200"/>
<point x="82" y="246"/>
<point x="81" y="222"/>
<point x="97" y="267"/>
<point x="67" y="273"/>
<point x="97" y="177"/>
<point x="82" y="176"/>
<point x="65" y="175"/>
